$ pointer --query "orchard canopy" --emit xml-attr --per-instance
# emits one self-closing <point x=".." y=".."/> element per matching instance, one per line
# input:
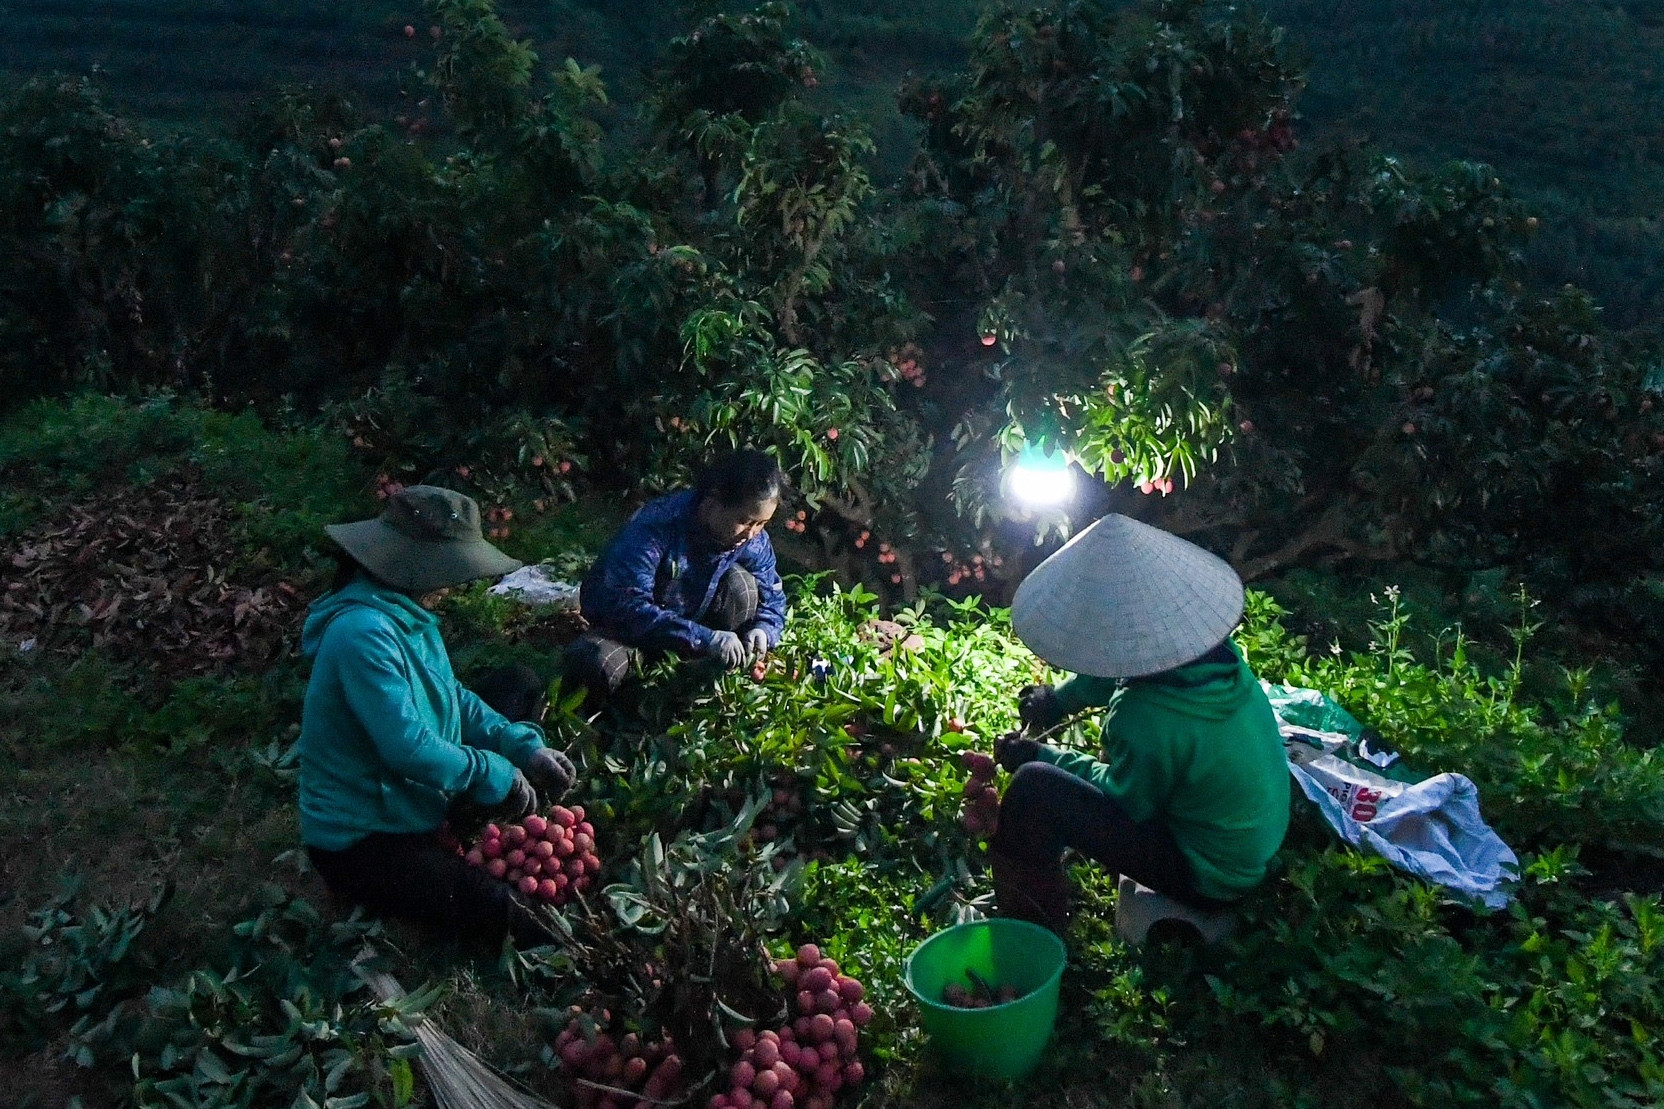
<point x="1107" y="239"/>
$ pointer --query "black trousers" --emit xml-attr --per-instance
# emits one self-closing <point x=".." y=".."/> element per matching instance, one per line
<point x="413" y="877"/>
<point x="1047" y="809"/>
<point x="601" y="664"/>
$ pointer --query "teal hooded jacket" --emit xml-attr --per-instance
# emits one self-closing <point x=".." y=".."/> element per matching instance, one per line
<point x="1197" y="748"/>
<point x="388" y="736"/>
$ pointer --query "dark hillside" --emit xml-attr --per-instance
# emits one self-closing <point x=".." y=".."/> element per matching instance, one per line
<point x="188" y="59"/>
<point x="1564" y="97"/>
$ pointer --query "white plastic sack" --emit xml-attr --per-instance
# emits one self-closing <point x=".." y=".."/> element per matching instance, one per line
<point x="1431" y="828"/>
<point x="537" y="585"/>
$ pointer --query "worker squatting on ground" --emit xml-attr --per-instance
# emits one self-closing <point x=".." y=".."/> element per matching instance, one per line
<point x="692" y="574"/>
<point x="1190" y="795"/>
<point x="391" y="744"/>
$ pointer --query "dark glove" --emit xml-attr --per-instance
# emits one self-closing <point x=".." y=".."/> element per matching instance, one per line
<point x="551" y="772"/>
<point x="1038" y="707"/>
<point x="519" y="803"/>
<point x="1013" y="749"/>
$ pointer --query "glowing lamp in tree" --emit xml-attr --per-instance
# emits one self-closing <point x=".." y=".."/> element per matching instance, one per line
<point x="1040" y="478"/>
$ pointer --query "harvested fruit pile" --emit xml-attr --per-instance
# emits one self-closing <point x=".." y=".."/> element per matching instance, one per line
<point x="981" y="995"/>
<point x="806" y="1062"/>
<point x="617" y="1074"/>
<point x="145" y="574"/>
<point x="550" y="858"/>
<point x="981" y="813"/>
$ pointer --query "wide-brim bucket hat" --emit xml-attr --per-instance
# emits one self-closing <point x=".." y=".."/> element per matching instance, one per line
<point x="1123" y="599"/>
<point x="426" y="538"/>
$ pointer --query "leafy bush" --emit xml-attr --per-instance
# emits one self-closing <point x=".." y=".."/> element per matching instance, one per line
<point x="75" y="968"/>
<point x="287" y="1022"/>
<point x="1340" y="959"/>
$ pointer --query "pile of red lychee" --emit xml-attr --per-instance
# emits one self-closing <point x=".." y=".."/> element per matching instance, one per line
<point x="618" y="1074"/>
<point x="550" y="858"/>
<point x="807" y="1062"/>
<point x="980" y="815"/>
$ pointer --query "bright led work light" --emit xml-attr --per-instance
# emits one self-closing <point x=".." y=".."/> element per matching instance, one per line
<point x="1040" y="478"/>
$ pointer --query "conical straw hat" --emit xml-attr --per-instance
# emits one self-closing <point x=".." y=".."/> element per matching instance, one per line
<point x="1123" y="599"/>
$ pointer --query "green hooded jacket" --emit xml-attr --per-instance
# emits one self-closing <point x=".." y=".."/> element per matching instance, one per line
<point x="388" y="736"/>
<point x="1198" y="748"/>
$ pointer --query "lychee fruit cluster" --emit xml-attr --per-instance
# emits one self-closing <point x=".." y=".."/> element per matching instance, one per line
<point x="906" y="361"/>
<point x="980" y="813"/>
<point x="618" y="1074"/>
<point x="976" y="569"/>
<point x="550" y="858"/>
<point x="807" y="1062"/>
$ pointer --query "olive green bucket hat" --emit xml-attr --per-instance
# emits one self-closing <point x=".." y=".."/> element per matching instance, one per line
<point x="427" y="538"/>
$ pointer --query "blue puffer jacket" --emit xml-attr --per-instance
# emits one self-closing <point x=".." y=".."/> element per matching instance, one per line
<point x="388" y="736"/>
<point x="655" y="581"/>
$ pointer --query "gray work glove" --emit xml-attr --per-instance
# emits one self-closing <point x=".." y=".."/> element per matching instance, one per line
<point x="727" y="648"/>
<point x="519" y="803"/>
<point x="1038" y="707"/>
<point x="756" y="642"/>
<point x="551" y="772"/>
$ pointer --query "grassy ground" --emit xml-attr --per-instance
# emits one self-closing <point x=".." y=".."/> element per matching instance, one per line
<point x="125" y="781"/>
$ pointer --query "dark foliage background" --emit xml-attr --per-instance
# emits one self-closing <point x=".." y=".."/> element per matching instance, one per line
<point x="1226" y="265"/>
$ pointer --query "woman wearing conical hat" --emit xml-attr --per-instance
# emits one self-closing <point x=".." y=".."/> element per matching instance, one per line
<point x="1190" y="795"/>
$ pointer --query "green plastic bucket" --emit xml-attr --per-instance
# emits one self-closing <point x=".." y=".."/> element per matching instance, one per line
<point x="1002" y="1041"/>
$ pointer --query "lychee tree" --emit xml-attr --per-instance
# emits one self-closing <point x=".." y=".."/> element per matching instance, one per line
<point x="1166" y="289"/>
<point x="1083" y="146"/>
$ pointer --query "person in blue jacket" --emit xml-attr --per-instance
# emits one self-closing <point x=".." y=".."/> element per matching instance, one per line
<point x="691" y="574"/>
<point x="391" y="743"/>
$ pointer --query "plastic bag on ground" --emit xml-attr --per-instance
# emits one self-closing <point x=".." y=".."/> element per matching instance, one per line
<point x="1430" y="828"/>
<point x="537" y="585"/>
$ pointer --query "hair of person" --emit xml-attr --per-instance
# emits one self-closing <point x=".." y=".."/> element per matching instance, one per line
<point x="1219" y="653"/>
<point x="514" y="691"/>
<point x="741" y="477"/>
<point x="346" y="569"/>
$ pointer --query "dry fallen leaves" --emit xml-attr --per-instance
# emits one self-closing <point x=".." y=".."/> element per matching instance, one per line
<point x="144" y="574"/>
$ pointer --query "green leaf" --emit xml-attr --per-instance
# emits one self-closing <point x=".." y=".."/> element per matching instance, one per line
<point x="354" y="1101"/>
<point x="404" y="1081"/>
